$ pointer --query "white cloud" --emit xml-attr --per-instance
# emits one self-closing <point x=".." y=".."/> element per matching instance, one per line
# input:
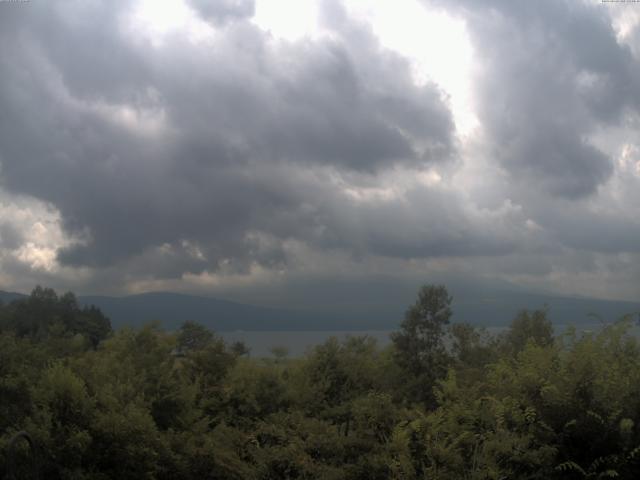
<point x="157" y="21"/>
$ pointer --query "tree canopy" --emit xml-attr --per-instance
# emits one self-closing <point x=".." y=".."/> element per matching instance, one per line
<point x="442" y="401"/>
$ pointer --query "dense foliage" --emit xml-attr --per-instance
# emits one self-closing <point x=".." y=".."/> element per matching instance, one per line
<point x="441" y="402"/>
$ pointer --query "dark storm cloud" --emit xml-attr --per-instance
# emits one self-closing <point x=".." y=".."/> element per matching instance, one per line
<point x="307" y="102"/>
<point x="550" y="73"/>
<point x="206" y="154"/>
<point x="84" y="43"/>
<point x="424" y="223"/>
<point x="170" y="157"/>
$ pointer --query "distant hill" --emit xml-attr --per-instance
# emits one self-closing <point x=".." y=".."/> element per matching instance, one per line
<point x="485" y="308"/>
<point x="172" y="309"/>
<point x="498" y="309"/>
<point x="6" y="297"/>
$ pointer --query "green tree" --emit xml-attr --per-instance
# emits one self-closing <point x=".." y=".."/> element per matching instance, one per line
<point x="43" y="315"/>
<point x="528" y="327"/>
<point x="419" y="345"/>
<point x="194" y="336"/>
<point x="472" y="349"/>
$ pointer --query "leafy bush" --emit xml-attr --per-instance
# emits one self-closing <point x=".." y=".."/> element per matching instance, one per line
<point x="151" y="404"/>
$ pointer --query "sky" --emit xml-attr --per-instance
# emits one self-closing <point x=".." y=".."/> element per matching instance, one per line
<point x="277" y="151"/>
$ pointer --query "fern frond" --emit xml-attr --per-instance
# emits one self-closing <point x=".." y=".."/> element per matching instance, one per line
<point x="571" y="467"/>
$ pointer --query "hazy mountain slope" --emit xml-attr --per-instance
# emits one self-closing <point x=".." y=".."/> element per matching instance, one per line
<point x="172" y="309"/>
<point x="490" y="310"/>
<point x="6" y="297"/>
<point x="497" y="309"/>
<point x="479" y="308"/>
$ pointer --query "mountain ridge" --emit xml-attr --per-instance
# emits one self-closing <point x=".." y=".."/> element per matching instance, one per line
<point x="480" y="308"/>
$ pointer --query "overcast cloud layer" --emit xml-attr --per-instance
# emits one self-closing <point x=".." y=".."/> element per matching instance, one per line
<point x="219" y="157"/>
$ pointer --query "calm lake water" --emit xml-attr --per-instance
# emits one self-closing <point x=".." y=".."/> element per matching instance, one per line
<point x="298" y="342"/>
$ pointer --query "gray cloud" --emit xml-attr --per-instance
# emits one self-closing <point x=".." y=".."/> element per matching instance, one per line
<point x="550" y="72"/>
<point x="190" y="157"/>
<point x="224" y="11"/>
<point x="144" y="146"/>
<point x="10" y="237"/>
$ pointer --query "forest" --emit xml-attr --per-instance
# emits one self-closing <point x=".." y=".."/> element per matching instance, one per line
<point x="442" y="401"/>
